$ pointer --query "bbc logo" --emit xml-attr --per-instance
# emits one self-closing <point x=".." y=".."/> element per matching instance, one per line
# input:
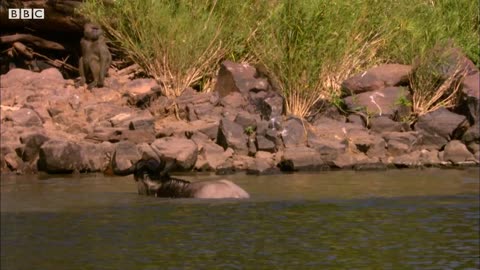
<point x="26" y="13"/>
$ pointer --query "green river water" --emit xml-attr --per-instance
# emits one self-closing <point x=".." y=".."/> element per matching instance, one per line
<point x="396" y="219"/>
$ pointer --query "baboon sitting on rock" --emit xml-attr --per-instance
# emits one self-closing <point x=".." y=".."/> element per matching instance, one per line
<point x="96" y="57"/>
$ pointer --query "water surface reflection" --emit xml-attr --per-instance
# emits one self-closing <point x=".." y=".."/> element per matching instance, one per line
<point x="402" y="219"/>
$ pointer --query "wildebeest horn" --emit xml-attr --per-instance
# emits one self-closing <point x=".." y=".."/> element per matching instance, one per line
<point x="155" y="169"/>
<point x="124" y="172"/>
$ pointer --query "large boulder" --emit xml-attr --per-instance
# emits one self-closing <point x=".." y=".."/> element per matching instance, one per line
<point x="269" y="104"/>
<point x="32" y="141"/>
<point x="293" y="132"/>
<point x="377" y="78"/>
<point x="193" y="105"/>
<point x="264" y="164"/>
<point x="26" y="117"/>
<point x="439" y="127"/>
<point x="231" y="134"/>
<point x="210" y="156"/>
<point x="126" y="154"/>
<point x="60" y="156"/>
<point x="387" y="101"/>
<point x="456" y="152"/>
<point x="354" y="160"/>
<point x="242" y="85"/>
<point x="385" y="124"/>
<point x="300" y="159"/>
<point x="417" y="158"/>
<point x="371" y="145"/>
<point x="141" y="92"/>
<point x="233" y="77"/>
<point x="328" y="148"/>
<point x="18" y="85"/>
<point x="97" y="156"/>
<point x="265" y="144"/>
<point x="399" y="143"/>
<point x="182" y="150"/>
<point x="247" y="120"/>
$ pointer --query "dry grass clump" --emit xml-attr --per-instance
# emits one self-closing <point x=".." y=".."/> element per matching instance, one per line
<point x="436" y="80"/>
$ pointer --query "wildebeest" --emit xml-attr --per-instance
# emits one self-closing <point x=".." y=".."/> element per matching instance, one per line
<point x="153" y="179"/>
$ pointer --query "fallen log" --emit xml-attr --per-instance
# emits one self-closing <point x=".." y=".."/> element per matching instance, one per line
<point x="37" y="41"/>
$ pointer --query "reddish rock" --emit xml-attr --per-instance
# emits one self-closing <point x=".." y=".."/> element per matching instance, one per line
<point x="356" y="120"/>
<point x="139" y="86"/>
<point x="183" y="151"/>
<point x="264" y="144"/>
<point x="349" y="160"/>
<point x="456" y="152"/>
<point x="32" y="141"/>
<point x="232" y="135"/>
<point x="377" y="78"/>
<point x="381" y="102"/>
<point x="264" y="164"/>
<point x="126" y="154"/>
<point x="97" y="157"/>
<point x="293" y="133"/>
<point x="233" y="77"/>
<point x="300" y="159"/>
<point x="369" y="144"/>
<point x="399" y="143"/>
<point x="211" y="156"/>
<point x="385" y="124"/>
<point x="12" y="161"/>
<point x="328" y="148"/>
<point x="438" y="127"/>
<point x="26" y="117"/>
<point x="60" y="156"/>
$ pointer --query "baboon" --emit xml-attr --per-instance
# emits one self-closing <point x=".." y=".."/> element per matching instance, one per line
<point x="96" y="57"/>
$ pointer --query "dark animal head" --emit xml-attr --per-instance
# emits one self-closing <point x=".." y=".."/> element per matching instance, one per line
<point x="92" y="31"/>
<point x="149" y="174"/>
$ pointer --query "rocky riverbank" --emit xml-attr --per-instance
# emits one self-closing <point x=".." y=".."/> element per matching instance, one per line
<point x="49" y="125"/>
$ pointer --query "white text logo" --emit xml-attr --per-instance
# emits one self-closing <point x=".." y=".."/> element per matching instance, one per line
<point x="26" y="13"/>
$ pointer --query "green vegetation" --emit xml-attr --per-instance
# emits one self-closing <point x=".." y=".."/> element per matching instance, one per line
<point x="250" y="130"/>
<point x="436" y="80"/>
<point x="310" y="46"/>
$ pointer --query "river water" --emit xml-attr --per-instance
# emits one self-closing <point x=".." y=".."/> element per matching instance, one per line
<point x="397" y="219"/>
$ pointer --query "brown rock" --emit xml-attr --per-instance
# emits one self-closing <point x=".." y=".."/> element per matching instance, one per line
<point x="26" y="117"/>
<point x="233" y="77"/>
<point x="369" y="144"/>
<point x="232" y="135"/>
<point x="264" y="164"/>
<point x="301" y="158"/>
<point x="126" y="154"/>
<point x="293" y="133"/>
<point x="438" y="127"/>
<point x="349" y="160"/>
<point x="377" y="78"/>
<point x="183" y="151"/>
<point x="381" y="102"/>
<point x="471" y="99"/>
<point x="456" y="152"/>
<point x="385" y="124"/>
<point x="60" y="156"/>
